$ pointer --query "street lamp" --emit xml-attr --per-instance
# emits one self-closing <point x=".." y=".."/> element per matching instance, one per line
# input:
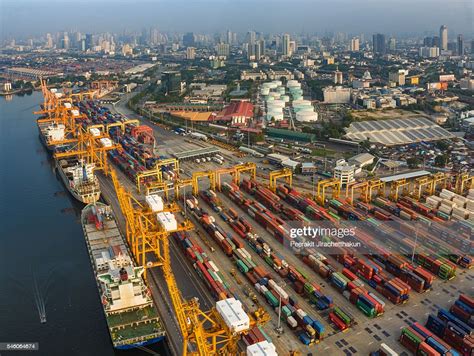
<point x="279" y="328"/>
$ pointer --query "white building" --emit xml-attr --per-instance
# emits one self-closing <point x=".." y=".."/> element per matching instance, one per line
<point x="337" y="95"/>
<point x="362" y="159"/>
<point x="344" y="172"/>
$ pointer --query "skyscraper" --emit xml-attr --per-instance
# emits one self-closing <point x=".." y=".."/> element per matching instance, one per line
<point x="188" y="39"/>
<point x="460" y="47"/>
<point x="443" y="36"/>
<point x="190" y="53"/>
<point x="379" y="45"/>
<point x="223" y="50"/>
<point x="89" y="41"/>
<point x="286" y="45"/>
<point x="355" y="44"/>
<point x="251" y="37"/>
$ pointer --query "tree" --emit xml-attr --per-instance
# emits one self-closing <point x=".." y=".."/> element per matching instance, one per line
<point x="413" y="162"/>
<point x="441" y="160"/>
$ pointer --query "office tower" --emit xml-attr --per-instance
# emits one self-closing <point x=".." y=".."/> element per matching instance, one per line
<point x="460" y="46"/>
<point x="65" y="41"/>
<point x="190" y="53"/>
<point x="355" y="44"/>
<point x="379" y="46"/>
<point x="472" y="46"/>
<point x="223" y="50"/>
<point x="188" y="39"/>
<point x="443" y="36"/>
<point x="251" y="37"/>
<point x="286" y="45"/>
<point x="49" y="41"/>
<point x="392" y="44"/>
<point x="436" y="41"/>
<point x="89" y="41"/>
<point x="229" y="38"/>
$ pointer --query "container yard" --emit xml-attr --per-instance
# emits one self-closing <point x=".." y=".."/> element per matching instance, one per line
<point x="400" y="283"/>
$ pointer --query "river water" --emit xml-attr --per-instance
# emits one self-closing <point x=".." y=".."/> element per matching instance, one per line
<point x="44" y="264"/>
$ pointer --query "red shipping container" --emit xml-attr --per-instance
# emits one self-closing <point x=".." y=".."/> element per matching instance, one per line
<point x="349" y="274"/>
<point x="467" y="300"/>
<point x="426" y="350"/>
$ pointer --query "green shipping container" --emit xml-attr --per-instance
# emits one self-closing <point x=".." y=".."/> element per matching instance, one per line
<point x="368" y="312"/>
<point x="308" y="288"/>
<point x="242" y="266"/>
<point x="342" y="315"/>
<point x="271" y="299"/>
<point x="411" y="336"/>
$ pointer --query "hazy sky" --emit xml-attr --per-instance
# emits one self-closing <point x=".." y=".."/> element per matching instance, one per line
<point x="26" y="17"/>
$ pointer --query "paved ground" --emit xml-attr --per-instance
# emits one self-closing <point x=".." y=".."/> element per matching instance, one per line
<point x="361" y="339"/>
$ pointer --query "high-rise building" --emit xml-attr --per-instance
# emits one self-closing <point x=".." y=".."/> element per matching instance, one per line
<point x="355" y="44"/>
<point x="172" y="82"/>
<point x="379" y="45"/>
<point x="392" y="44"/>
<point x="230" y="37"/>
<point x="286" y="50"/>
<point x="65" y="41"/>
<point x="154" y="36"/>
<point x="49" y="41"/>
<point x="443" y="36"/>
<point x="188" y="39"/>
<point x="190" y="53"/>
<point x="89" y="41"/>
<point x="436" y="41"/>
<point x="460" y="45"/>
<point x="251" y="37"/>
<point x="223" y="50"/>
<point x="472" y="46"/>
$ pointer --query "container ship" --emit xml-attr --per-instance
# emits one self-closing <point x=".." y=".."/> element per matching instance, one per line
<point x="51" y="132"/>
<point x="79" y="179"/>
<point x="132" y="319"/>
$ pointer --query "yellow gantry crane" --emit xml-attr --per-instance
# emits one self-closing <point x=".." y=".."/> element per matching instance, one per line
<point x="205" y="174"/>
<point x="422" y="185"/>
<point x="395" y="187"/>
<point x="204" y="332"/>
<point x="377" y="185"/>
<point x="325" y="184"/>
<point x="285" y="173"/>
<point x="85" y="147"/>
<point x="463" y="181"/>
<point x="248" y="167"/>
<point x="362" y="187"/>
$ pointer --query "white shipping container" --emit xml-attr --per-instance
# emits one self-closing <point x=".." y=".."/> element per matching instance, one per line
<point x="292" y="322"/>
<point x="449" y="203"/>
<point x="445" y="209"/>
<point x="300" y="313"/>
<point x="346" y="294"/>
<point x="448" y="192"/>
<point x="263" y="348"/>
<point x="219" y="236"/>
<point x="213" y="265"/>
<point x="233" y="314"/>
<point x="190" y="204"/>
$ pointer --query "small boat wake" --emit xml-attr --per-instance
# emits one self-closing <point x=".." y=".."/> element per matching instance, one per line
<point x="39" y="300"/>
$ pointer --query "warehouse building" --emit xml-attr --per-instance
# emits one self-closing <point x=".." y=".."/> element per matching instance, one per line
<point x="397" y="131"/>
<point x="290" y="135"/>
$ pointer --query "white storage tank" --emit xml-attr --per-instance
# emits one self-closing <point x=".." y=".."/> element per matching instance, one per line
<point x="305" y="116"/>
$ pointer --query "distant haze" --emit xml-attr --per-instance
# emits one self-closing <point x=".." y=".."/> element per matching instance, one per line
<point x="33" y="17"/>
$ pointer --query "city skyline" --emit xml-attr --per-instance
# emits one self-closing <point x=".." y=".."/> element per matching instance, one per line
<point x="26" y="17"/>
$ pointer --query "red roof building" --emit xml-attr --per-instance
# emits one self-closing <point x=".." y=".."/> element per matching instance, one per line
<point x="238" y="113"/>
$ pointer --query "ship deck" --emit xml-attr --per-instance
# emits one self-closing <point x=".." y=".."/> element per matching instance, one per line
<point x="133" y="325"/>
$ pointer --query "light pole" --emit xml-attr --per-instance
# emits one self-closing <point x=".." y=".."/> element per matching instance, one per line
<point x="414" y="247"/>
<point x="279" y="328"/>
